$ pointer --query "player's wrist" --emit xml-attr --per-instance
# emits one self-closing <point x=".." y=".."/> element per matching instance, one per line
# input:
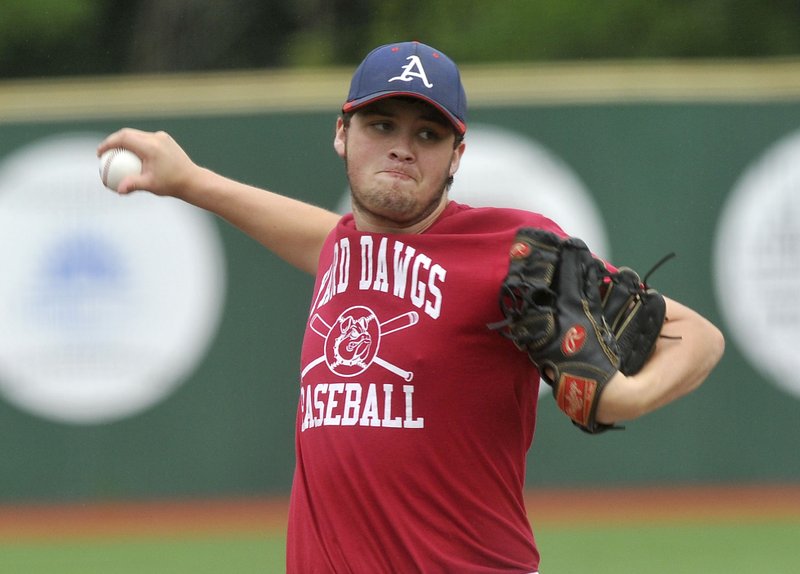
<point x="621" y="400"/>
<point x="196" y="185"/>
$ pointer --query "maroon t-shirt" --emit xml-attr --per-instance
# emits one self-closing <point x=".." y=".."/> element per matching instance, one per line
<point x="414" y="417"/>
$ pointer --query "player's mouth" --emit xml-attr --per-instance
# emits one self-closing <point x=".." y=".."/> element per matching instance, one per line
<point x="397" y="174"/>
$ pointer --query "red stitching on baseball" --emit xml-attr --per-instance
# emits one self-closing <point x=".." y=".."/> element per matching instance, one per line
<point x="107" y="165"/>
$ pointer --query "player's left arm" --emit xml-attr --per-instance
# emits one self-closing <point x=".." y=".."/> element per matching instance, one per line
<point x="683" y="358"/>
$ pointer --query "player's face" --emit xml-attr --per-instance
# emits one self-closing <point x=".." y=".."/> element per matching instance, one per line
<point x="399" y="155"/>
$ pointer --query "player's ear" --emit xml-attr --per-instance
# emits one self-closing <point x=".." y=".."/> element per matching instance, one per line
<point x="456" y="159"/>
<point x="340" y="138"/>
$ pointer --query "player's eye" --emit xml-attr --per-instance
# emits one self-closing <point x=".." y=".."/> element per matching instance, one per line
<point x="430" y="135"/>
<point x="382" y="125"/>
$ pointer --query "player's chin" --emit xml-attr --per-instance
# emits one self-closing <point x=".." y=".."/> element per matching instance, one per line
<point x="391" y="204"/>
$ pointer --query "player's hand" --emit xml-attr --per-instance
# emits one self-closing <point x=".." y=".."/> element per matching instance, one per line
<point x="166" y="168"/>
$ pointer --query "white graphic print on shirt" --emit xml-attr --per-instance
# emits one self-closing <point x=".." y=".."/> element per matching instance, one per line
<point x="353" y="340"/>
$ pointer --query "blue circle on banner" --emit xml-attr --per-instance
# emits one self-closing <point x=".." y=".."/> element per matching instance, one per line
<point x="108" y="303"/>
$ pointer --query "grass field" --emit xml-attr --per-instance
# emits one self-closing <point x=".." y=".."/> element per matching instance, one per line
<point x="693" y="548"/>
<point x="642" y="548"/>
<point x="624" y="532"/>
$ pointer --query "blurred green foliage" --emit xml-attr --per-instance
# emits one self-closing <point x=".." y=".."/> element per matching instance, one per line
<point x="57" y="37"/>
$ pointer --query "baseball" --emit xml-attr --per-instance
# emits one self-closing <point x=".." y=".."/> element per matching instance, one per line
<point x="117" y="164"/>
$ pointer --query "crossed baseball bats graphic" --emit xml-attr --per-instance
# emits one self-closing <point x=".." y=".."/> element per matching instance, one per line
<point x="398" y="323"/>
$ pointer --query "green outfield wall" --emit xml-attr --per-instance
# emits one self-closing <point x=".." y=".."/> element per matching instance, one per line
<point x="696" y="159"/>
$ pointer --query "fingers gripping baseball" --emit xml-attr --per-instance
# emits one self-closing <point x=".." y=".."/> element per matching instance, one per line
<point x="166" y="168"/>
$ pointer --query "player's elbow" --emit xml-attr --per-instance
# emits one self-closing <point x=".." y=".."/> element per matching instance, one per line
<point x="709" y="346"/>
<point x="693" y="348"/>
<point x="717" y="344"/>
<point x="713" y="347"/>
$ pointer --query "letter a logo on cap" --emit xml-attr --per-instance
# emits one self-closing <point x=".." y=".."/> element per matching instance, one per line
<point x="413" y="70"/>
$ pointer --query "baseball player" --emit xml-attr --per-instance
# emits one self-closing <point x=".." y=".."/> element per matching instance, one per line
<point x="414" y="418"/>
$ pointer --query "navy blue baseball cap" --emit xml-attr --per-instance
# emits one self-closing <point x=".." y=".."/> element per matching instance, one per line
<point x="410" y="69"/>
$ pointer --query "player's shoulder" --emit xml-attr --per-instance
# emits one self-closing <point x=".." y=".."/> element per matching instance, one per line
<point x="462" y="218"/>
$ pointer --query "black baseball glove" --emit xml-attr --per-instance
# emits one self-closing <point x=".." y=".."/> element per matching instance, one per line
<point x="554" y="311"/>
<point x="635" y="312"/>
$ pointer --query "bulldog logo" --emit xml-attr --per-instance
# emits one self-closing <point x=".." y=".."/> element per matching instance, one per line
<point x="353" y="341"/>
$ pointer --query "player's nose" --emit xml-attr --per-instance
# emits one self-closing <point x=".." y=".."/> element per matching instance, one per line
<point x="402" y="148"/>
